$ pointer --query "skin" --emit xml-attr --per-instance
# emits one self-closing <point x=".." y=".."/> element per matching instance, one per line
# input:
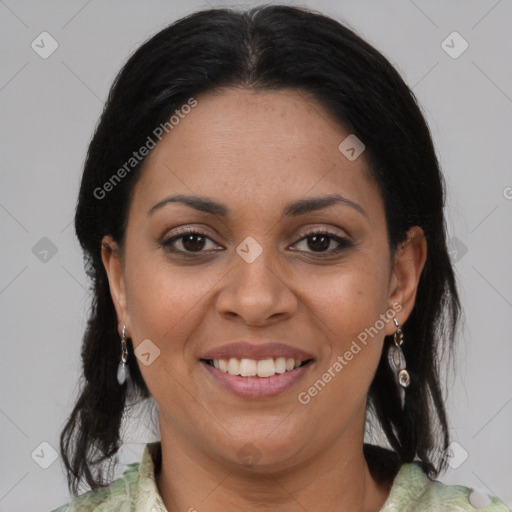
<point x="254" y="152"/>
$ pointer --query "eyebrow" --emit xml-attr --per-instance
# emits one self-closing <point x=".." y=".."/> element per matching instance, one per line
<point x="203" y="204"/>
<point x="299" y="207"/>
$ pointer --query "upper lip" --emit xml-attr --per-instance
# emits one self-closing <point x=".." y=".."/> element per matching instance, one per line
<point x="261" y="350"/>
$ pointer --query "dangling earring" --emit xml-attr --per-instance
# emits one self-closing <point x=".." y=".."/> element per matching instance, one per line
<point x="396" y="358"/>
<point x="123" y="372"/>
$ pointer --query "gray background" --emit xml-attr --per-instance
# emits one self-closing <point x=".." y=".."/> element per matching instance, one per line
<point x="49" y="108"/>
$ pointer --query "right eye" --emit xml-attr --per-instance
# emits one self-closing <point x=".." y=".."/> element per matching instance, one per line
<point x="188" y="242"/>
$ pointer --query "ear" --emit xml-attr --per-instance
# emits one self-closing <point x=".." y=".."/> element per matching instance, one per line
<point x="409" y="261"/>
<point x="111" y="256"/>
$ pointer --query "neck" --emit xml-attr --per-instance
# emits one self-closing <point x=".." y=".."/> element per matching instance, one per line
<point x="340" y="477"/>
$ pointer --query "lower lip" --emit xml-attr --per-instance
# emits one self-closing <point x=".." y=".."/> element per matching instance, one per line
<point x="258" y="387"/>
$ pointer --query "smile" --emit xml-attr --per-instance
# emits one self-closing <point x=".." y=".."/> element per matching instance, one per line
<point x="254" y="368"/>
<point x="265" y="382"/>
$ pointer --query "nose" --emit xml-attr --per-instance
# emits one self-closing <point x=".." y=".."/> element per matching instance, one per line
<point x="257" y="293"/>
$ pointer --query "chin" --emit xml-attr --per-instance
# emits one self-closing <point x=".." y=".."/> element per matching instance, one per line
<point x="263" y="452"/>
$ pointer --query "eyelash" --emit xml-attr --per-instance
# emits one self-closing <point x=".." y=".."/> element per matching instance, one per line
<point x="343" y="242"/>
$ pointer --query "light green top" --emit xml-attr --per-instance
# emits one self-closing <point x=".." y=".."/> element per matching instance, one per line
<point x="412" y="491"/>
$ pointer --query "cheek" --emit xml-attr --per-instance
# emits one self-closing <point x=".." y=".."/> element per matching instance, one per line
<point x="165" y="306"/>
<point x="351" y="300"/>
<point x="350" y="314"/>
<point x="163" y="303"/>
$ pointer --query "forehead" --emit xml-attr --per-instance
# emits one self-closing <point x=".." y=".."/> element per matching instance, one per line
<point x="254" y="146"/>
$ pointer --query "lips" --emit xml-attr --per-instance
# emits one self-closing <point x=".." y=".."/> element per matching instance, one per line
<point x="267" y="350"/>
<point x="256" y="371"/>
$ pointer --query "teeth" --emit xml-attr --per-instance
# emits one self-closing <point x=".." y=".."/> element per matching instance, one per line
<point x="247" y="368"/>
<point x="233" y="366"/>
<point x="253" y="368"/>
<point x="266" y="368"/>
<point x="280" y="365"/>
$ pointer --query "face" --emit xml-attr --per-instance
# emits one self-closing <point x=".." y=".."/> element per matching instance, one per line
<point x="259" y="277"/>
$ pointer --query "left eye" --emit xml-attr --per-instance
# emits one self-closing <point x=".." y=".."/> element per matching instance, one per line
<point x="320" y="242"/>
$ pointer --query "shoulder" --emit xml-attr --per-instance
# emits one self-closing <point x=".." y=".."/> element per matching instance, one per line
<point x="116" y="496"/>
<point x="412" y="490"/>
<point x="135" y="490"/>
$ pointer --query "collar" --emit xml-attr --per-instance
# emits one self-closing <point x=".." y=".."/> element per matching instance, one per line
<point x="408" y="485"/>
<point x="146" y="495"/>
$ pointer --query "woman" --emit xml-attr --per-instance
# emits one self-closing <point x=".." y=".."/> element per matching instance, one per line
<point x="261" y="212"/>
